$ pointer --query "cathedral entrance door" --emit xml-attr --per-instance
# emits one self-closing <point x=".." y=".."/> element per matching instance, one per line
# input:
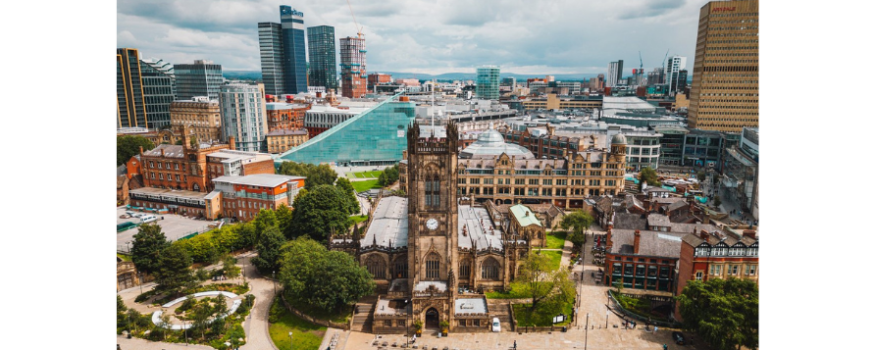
<point x="432" y="319"/>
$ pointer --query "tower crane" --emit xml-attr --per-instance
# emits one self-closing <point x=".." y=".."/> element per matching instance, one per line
<point x="664" y="58"/>
<point x="357" y="28"/>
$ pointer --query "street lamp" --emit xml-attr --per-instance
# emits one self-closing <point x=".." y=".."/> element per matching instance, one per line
<point x="406" y="302"/>
<point x="586" y="329"/>
<point x="290" y="340"/>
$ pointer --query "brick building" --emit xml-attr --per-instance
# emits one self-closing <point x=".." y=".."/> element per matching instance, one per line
<point x="288" y="116"/>
<point x="201" y="117"/>
<point x="173" y="201"/>
<point x="244" y="196"/>
<point x="721" y="254"/>
<point x="281" y="140"/>
<point x="231" y="162"/>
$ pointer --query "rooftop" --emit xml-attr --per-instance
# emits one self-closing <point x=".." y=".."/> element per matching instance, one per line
<point x="151" y="191"/>
<point x="170" y="151"/>
<point x="275" y="106"/>
<point x="389" y="224"/>
<point x="491" y="143"/>
<point x="524" y="215"/>
<point x="658" y="220"/>
<point x="229" y="155"/>
<point x="264" y="180"/>
<point x="470" y="306"/>
<point x="476" y="228"/>
<point x="285" y="132"/>
<point x="652" y="243"/>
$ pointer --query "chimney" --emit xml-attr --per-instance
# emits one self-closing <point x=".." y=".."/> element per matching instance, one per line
<point x="750" y="233"/>
<point x="608" y="242"/>
<point x="703" y="235"/>
<point x="141" y="151"/>
<point x="231" y="143"/>
<point x="162" y="152"/>
<point x="637" y="241"/>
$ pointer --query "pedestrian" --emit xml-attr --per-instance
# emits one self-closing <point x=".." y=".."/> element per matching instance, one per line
<point x="514" y="345"/>
<point x="655" y="329"/>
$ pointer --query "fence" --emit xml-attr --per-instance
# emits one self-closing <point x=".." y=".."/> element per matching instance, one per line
<point x="639" y="317"/>
<point x="344" y="326"/>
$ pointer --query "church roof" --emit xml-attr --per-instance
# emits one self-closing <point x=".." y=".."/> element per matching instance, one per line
<point x="491" y="143"/>
<point x="524" y="215"/>
<point x="476" y="227"/>
<point x="389" y="223"/>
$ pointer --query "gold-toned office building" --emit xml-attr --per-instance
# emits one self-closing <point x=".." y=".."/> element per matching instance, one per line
<point x="130" y="109"/>
<point x="200" y="115"/>
<point x="725" y="92"/>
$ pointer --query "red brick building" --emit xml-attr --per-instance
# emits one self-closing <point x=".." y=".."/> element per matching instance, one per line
<point x="285" y="116"/>
<point x="244" y="196"/>
<point x="377" y="79"/>
<point x="721" y="254"/>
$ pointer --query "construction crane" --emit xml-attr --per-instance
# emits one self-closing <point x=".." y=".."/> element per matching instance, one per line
<point x="641" y="68"/>
<point x="357" y="28"/>
<point x="664" y="58"/>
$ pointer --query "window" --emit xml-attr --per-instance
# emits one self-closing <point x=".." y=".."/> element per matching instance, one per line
<point x="401" y="267"/>
<point x="432" y="191"/>
<point x="716" y="270"/>
<point x="465" y="269"/>
<point x="699" y="275"/>
<point x="489" y="270"/>
<point x="432" y="266"/>
<point x="159" y="165"/>
<point x="376" y="266"/>
<point x="733" y="270"/>
<point x="751" y="270"/>
<point x="533" y="181"/>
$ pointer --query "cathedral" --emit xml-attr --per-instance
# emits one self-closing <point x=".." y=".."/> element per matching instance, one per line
<point x="434" y="253"/>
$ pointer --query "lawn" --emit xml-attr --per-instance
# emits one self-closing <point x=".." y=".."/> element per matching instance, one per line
<point x="556" y="240"/>
<point x="305" y="335"/>
<point x="507" y="295"/>
<point x="365" y="174"/>
<point x="123" y="257"/>
<point x="361" y="186"/>
<point x="554" y="255"/>
<point x="359" y="218"/>
<point x="540" y="318"/>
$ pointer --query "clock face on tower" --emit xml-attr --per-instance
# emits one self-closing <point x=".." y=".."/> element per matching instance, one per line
<point x="431" y="224"/>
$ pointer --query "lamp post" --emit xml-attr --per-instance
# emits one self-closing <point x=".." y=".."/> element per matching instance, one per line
<point x="290" y="340"/>
<point x="606" y="317"/>
<point x="586" y="329"/>
<point x="406" y="302"/>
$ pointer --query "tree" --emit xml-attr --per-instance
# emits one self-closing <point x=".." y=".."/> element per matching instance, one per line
<point x="245" y="235"/>
<point x="284" y="219"/>
<point x="320" y="212"/>
<point x="120" y="305"/>
<point x="173" y="268"/>
<point x="128" y="146"/>
<point x="269" y="253"/>
<point x="549" y="289"/>
<point x="649" y="176"/>
<point x="701" y="176"/>
<point x="199" y="316"/>
<point x="580" y="221"/>
<point x="328" y="280"/>
<point x="265" y="219"/>
<point x="229" y="266"/>
<point x="717" y="201"/>
<point x="389" y="176"/>
<point x="352" y="204"/>
<point x="725" y="313"/>
<point x="148" y="244"/>
<point x="316" y="174"/>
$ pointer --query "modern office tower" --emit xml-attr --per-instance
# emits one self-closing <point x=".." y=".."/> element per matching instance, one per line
<point x="201" y="78"/>
<point x="615" y="73"/>
<point x="294" y="56"/>
<point x="353" y="70"/>
<point x="323" y="57"/>
<point x="511" y="81"/>
<point x="131" y="111"/>
<point x="487" y="83"/>
<point x="725" y="91"/>
<point x="244" y="115"/>
<point x="270" y="44"/>
<point x="673" y="67"/>
<point x="159" y="90"/>
<point x="681" y="81"/>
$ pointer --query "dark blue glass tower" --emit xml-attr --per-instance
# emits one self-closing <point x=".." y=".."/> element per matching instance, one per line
<point x="294" y="54"/>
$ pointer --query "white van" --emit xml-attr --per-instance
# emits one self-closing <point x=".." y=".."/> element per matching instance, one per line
<point x="496" y="326"/>
<point x="148" y="218"/>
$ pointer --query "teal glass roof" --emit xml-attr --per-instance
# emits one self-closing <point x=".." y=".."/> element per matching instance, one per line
<point x="377" y="136"/>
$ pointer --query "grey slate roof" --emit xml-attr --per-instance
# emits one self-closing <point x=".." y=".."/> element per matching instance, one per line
<point x="652" y="243"/>
<point x="629" y="221"/>
<point x="389" y="223"/>
<point x="678" y="205"/>
<point x="658" y="220"/>
<point x="479" y="228"/>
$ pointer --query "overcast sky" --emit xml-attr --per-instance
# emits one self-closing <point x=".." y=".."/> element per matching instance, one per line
<point x="434" y="37"/>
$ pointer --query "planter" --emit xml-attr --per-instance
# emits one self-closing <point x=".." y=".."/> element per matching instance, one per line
<point x="444" y="332"/>
<point x="418" y="332"/>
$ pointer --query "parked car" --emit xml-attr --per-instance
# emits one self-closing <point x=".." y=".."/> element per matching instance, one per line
<point x="496" y="325"/>
<point x="678" y="338"/>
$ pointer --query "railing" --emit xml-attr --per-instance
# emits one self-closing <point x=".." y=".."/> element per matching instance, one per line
<point x="640" y="317"/>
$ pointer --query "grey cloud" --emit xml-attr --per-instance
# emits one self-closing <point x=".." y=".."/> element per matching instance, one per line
<point x="652" y="8"/>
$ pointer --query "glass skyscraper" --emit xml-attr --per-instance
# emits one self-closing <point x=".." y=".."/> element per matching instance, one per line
<point x="131" y="112"/>
<point x="159" y="90"/>
<point x="487" y="83"/>
<point x="375" y="137"/>
<point x="203" y="78"/>
<point x="323" y="57"/>
<point x="270" y="43"/>
<point x="294" y="57"/>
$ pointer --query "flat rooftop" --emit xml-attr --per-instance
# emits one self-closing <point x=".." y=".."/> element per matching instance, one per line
<point x="476" y="227"/>
<point x="265" y="180"/>
<point x="471" y="306"/>
<point x="169" y="193"/>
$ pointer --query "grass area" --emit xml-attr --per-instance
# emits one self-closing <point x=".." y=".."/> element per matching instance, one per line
<point x="507" y="295"/>
<point x="554" y="255"/>
<point x="556" y="240"/>
<point x="539" y="317"/>
<point x="123" y="257"/>
<point x="341" y="316"/>
<point x="365" y="174"/>
<point x="359" y="218"/>
<point x="638" y="306"/>
<point x="361" y="186"/>
<point x="305" y="335"/>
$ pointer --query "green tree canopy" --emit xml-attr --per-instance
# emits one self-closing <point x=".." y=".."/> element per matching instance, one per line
<point x="578" y="220"/>
<point x="320" y="212"/>
<point x="316" y="175"/>
<point x="284" y="219"/>
<point x="173" y="272"/>
<point x="320" y="278"/>
<point x="724" y="313"/>
<point x="389" y="176"/>
<point x="648" y="175"/>
<point x="352" y="204"/>
<point x="265" y="219"/>
<point x="269" y="251"/>
<point x="128" y="146"/>
<point x="550" y="289"/>
<point x="148" y="244"/>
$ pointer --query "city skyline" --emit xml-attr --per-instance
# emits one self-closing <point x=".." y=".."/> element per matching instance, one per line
<point x="450" y="37"/>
